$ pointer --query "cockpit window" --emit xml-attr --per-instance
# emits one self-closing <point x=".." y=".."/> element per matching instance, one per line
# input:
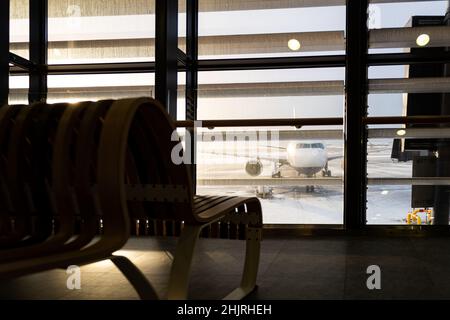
<point x="310" y="146"/>
<point x="318" y="146"/>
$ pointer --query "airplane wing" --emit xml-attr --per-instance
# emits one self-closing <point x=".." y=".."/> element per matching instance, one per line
<point x="334" y="158"/>
<point x="329" y="158"/>
<point x="279" y="148"/>
<point x="271" y="182"/>
<point x="281" y="158"/>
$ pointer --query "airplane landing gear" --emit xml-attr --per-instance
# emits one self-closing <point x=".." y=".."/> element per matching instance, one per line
<point x="326" y="173"/>
<point x="276" y="172"/>
<point x="264" y="192"/>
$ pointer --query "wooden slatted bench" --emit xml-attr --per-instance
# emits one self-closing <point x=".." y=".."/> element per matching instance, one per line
<point x="112" y="160"/>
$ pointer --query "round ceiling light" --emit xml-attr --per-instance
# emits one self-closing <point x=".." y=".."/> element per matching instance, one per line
<point x="294" y="44"/>
<point x="423" y="40"/>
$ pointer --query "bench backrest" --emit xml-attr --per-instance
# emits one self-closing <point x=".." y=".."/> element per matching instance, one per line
<point x="164" y="188"/>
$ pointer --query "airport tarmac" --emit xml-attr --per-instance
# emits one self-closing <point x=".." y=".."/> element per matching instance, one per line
<point x="291" y="204"/>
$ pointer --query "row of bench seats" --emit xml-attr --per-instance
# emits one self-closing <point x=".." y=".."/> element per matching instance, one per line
<point x="66" y="165"/>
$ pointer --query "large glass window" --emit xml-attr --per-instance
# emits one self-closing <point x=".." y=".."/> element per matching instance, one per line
<point x="239" y="29"/>
<point x="407" y="163"/>
<point x="296" y="185"/>
<point x="297" y="172"/>
<point x="88" y="31"/>
<point x="75" y="88"/>
<point x="404" y="178"/>
<point x="402" y="26"/>
<point x="19" y="25"/>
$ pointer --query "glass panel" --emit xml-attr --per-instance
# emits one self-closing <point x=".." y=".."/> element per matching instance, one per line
<point x="392" y="14"/>
<point x="405" y="182"/>
<point x="399" y="27"/>
<point x="19" y="27"/>
<point x="393" y="90"/>
<point x="296" y="185"/>
<point x="87" y="31"/>
<point x="75" y="88"/>
<point x="181" y="101"/>
<point x="290" y="93"/>
<point x="182" y="25"/>
<point x="408" y="165"/>
<point x="270" y="28"/>
<point x="18" y="93"/>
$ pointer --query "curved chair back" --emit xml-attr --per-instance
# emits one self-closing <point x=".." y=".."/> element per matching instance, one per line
<point x="143" y="126"/>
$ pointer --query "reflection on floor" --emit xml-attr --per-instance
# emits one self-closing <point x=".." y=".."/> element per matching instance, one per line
<point x="305" y="268"/>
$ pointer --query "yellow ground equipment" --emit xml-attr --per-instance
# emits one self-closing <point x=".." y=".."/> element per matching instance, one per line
<point x="414" y="217"/>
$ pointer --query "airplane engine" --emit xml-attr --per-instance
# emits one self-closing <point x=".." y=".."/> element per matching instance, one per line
<point x="254" y="168"/>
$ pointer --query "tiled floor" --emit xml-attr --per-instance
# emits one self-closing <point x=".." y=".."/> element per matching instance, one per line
<point x="306" y="268"/>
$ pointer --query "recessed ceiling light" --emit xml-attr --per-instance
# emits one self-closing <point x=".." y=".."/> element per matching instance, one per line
<point x="401" y="132"/>
<point x="423" y="40"/>
<point x="294" y="44"/>
<point x="385" y="192"/>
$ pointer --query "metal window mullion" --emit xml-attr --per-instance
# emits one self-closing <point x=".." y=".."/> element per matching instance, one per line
<point x="391" y="59"/>
<point x="166" y="54"/>
<point x="245" y="64"/>
<point x="355" y="133"/>
<point x="4" y="52"/>
<point x="192" y="77"/>
<point x="38" y="50"/>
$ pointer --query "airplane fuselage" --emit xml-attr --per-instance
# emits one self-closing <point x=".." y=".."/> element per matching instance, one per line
<point x="307" y="158"/>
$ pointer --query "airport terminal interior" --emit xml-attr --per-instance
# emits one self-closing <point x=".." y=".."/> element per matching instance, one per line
<point x="247" y="149"/>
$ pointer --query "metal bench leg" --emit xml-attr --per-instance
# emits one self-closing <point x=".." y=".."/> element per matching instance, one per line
<point x="136" y="278"/>
<point x="181" y="267"/>
<point x="182" y="262"/>
<point x="248" y="282"/>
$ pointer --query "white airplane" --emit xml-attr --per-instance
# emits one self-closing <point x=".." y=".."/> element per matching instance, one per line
<point x="307" y="158"/>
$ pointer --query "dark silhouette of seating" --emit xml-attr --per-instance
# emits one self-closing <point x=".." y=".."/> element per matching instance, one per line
<point x="108" y="160"/>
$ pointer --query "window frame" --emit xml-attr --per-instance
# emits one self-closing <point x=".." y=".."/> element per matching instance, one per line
<point x="169" y="62"/>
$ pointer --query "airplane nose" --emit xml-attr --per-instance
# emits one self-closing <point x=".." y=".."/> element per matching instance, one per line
<point x="310" y="159"/>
